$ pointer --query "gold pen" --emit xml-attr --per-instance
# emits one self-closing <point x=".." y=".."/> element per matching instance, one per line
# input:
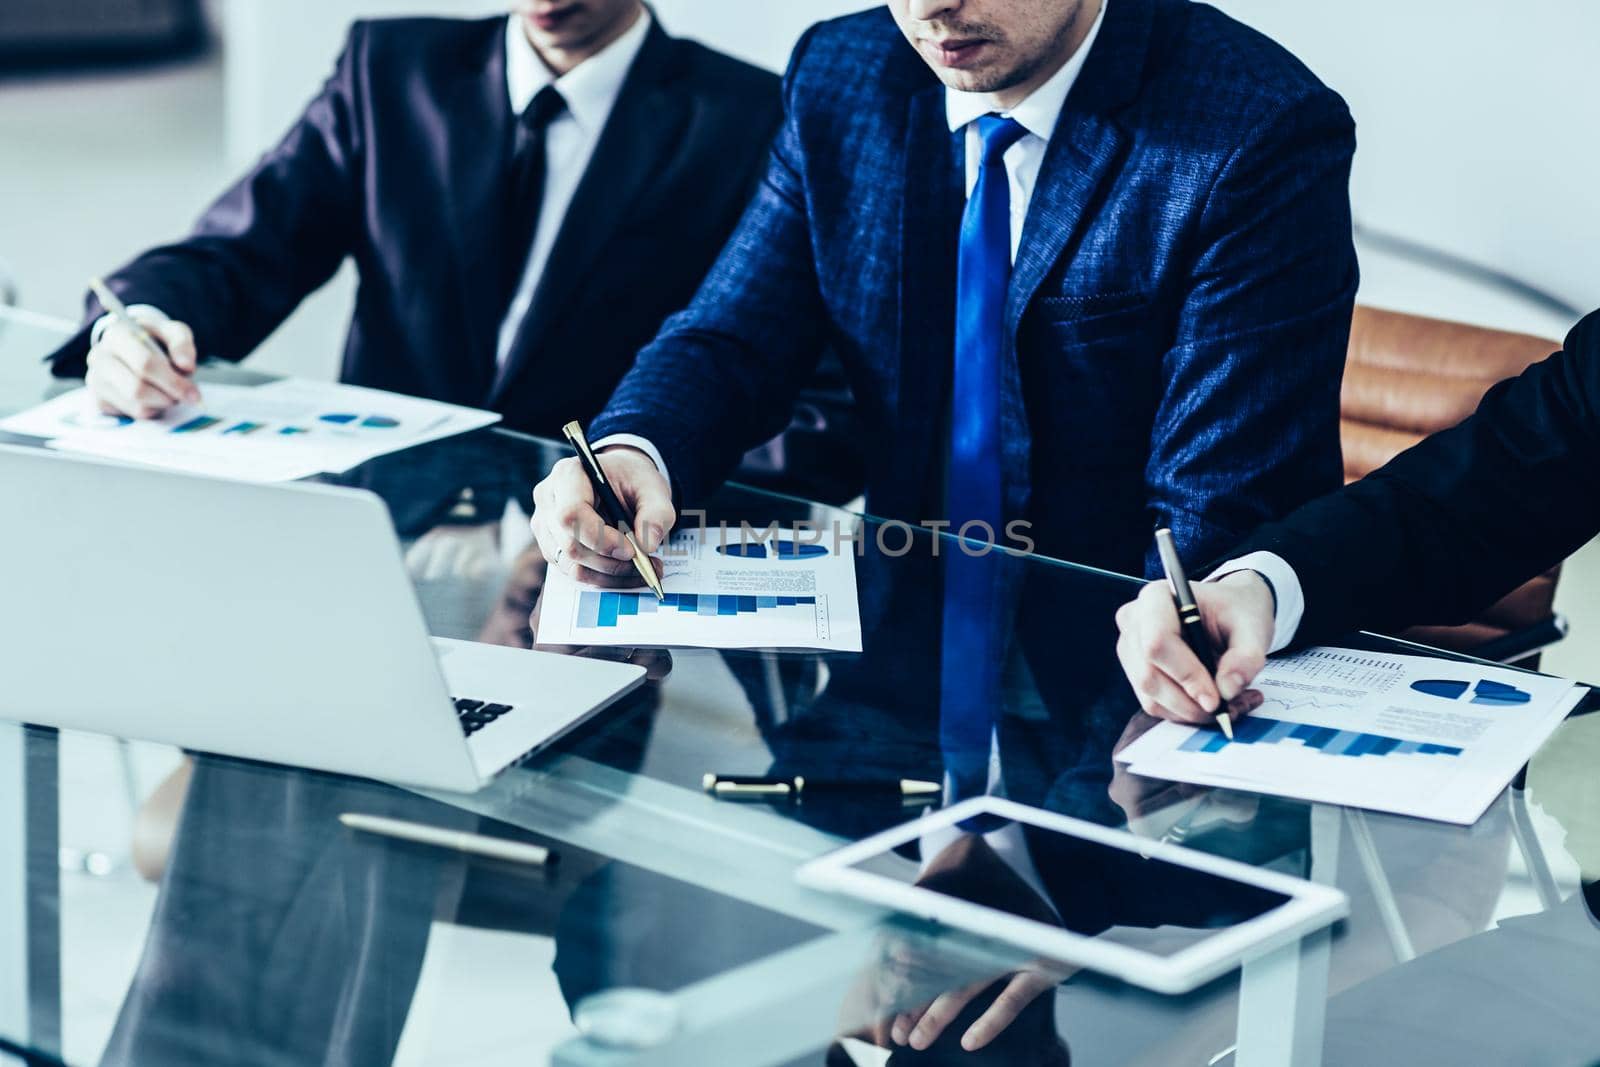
<point x="610" y="507"/>
<point x="1194" y="630"/>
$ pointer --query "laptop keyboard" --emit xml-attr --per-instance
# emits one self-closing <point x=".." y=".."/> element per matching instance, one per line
<point x="474" y="715"/>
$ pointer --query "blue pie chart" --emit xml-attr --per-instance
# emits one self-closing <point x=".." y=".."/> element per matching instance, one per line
<point x="780" y="550"/>
<point x="1487" y="692"/>
<point x="1446" y="689"/>
<point x="1493" y="694"/>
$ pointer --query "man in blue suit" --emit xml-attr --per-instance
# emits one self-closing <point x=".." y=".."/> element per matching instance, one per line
<point x="1088" y="264"/>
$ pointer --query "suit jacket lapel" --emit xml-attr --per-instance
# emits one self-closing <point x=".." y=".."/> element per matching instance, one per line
<point x="645" y="126"/>
<point x="477" y="125"/>
<point x="1086" y="144"/>
<point x="930" y="232"/>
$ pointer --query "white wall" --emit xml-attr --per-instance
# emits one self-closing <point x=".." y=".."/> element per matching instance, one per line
<point x="1478" y="123"/>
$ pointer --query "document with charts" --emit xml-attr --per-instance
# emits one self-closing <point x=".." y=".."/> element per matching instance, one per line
<point x="1405" y="734"/>
<point x="275" y="432"/>
<point x="770" y="587"/>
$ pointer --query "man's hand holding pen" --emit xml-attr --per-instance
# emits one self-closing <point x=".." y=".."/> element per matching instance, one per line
<point x="570" y="530"/>
<point x="1167" y="676"/>
<point x="142" y="363"/>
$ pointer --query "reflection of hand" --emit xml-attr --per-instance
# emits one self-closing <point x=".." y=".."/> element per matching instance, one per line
<point x="1168" y="678"/>
<point x="515" y="620"/>
<point x="921" y="1028"/>
<point x="917" y="992"/>
<point x="462" y="552"/>
<point x="1139" y="797"/>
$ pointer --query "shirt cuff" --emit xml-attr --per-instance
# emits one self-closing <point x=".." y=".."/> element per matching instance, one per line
<point x="146" y="314"/>
<point x="1290" y="599"/>
<point x="635" y="441"/>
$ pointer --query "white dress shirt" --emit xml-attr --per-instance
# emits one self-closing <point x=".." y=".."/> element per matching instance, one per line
<point x="1290" y="599"/>
<point x="590" y="90"/>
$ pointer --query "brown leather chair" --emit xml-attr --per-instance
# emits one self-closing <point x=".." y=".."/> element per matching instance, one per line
<point x="1406" y="377"/>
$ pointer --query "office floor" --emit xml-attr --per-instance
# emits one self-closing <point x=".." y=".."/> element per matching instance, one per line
<point x="94" y="167"/>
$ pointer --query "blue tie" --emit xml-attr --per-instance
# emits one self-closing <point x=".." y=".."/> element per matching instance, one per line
<point x="970" y="661"/>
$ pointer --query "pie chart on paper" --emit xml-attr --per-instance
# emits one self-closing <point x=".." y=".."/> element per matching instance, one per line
<point x="1484" y="692"/>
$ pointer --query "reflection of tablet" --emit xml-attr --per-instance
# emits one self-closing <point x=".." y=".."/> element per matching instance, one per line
<point x="1153" y="914"/>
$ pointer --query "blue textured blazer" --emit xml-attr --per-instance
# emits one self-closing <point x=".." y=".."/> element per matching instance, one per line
<point x="1178" y="311"/>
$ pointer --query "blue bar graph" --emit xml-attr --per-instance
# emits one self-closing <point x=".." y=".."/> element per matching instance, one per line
<point x="600" y="609"/>
<point x="1257" y="730"/>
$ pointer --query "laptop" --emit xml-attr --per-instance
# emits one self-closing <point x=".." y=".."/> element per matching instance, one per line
<point x="269" y="622"/>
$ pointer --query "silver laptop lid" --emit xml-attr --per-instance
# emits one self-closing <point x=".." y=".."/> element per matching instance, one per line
<point x="269" y="622"/>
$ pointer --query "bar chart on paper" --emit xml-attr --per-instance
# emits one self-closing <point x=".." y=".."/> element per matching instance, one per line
<point x="1260" y="730"/>
<point x="801" y="618"/>
<point x="1403" y="734"/>
<point x="723" y="591"/>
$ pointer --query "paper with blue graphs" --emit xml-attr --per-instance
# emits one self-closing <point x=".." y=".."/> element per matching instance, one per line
<point x="726" y="587"/>
<point x="275" y="432"/>
<point x="1405" y="734"/>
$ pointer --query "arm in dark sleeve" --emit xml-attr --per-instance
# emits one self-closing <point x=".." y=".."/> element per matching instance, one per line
<point x="722" y="376"/>
<point x="1451" y="525"/>
<point x="265" y="244"/>
<point x="1248" y="424"/>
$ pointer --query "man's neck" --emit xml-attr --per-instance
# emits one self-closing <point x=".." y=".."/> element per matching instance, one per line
<point x="1072" y="38"/>
<point x="561" y="60"/>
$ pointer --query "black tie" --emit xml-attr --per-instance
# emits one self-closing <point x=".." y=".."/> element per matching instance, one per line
<point x="525" y="189"/>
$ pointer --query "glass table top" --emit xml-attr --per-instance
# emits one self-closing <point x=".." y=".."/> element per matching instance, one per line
<point x="157" y="908"/>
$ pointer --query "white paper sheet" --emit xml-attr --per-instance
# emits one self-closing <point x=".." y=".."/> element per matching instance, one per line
<point x="275" y="432"/>
<point x="1405" y="734"/>
<point x="724" y="590"/>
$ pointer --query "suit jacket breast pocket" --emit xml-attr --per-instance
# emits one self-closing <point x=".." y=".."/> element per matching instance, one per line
<point x="1096" y="317"/>
<point x="1090" y="371"/>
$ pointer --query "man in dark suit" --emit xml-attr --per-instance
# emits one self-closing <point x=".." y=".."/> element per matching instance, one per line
<point x="1086" y="265"/>
<point x="526" y="199"/>
<point x="1438" y="534"/>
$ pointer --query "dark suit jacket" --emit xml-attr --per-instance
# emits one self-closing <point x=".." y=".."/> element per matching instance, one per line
<point x="1448" y="527"/>
<point x="400" y="163"/>
<point x="1178" y="310"/>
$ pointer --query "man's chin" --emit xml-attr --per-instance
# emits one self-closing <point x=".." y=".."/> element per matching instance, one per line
<point x="985" y="79"/>
<point x="973" y="81"/>
<point x="565" y="39"/>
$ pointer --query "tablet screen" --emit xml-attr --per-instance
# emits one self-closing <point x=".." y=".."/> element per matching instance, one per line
<point x="1073" y="883"/>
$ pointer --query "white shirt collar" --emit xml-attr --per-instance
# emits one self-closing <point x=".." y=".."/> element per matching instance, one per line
<point x="590" y="88"/>
<point x="1039" y="112"/>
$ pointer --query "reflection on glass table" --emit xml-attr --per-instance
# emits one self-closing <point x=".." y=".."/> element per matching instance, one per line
<point x="275" y="936"/>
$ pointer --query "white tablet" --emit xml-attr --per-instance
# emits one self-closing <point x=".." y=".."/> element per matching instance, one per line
<point x="1156" y="915"/>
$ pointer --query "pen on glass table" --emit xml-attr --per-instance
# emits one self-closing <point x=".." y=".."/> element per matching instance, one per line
<point x="457" y="840"/>
<point x="795" y="787"/>
<point x="610" y="508"/>
<point x="1194" y="630"/>
<point x="119" y="311"/>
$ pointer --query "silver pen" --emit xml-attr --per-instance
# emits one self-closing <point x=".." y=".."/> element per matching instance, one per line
<point x="457" y="840"/>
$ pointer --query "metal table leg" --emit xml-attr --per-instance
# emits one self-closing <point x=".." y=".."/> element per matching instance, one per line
<point x="1283" y="1001"/>
<point x="1283" y="996"/>
<point x="30" y="912"/>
